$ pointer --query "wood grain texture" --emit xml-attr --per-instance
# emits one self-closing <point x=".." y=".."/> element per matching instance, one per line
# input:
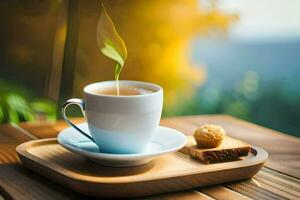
<point x="30" y="186"/>
<point x="16" y="182"/>
<point x="268" y="184"/>
<point x="172" y="172"/>
<point x="220" y="192"/>
<point x="190" y="195"/>
<point x="283" y="150"/>
<point x="10" y="137"/>
<point x="47" y="129"/>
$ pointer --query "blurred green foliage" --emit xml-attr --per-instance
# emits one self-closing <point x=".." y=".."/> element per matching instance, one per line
<point x="17" y="105"/>
<point x="271" y="105"/>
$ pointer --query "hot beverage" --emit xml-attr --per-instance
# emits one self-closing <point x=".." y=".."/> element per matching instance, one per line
<point x="123" y="123"/>
<point x="123" y="90"/>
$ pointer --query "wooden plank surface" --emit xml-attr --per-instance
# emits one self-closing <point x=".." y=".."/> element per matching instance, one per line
<point x="17" y="182"/>
<point x="280" y="180"/>
<point x="10" y="137"/>
<point x="221" y="192"/>
<point x="165" y="174"/>
<point x="284" y="150"/>
<point x="190" y="195"/>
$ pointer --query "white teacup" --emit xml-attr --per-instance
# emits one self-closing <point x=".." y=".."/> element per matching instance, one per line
<point x="119" y="124"/>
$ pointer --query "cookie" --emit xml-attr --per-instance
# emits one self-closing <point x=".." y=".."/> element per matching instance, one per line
<point x="209" y="136"/>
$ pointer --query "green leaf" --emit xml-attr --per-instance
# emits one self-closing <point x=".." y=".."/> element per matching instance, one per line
<point x="118" y="71"/>
<point x="110" y="42"/>
<point x="18" y="109"/>
<point x="13" y="116"/>
<point x="1" y="114"/>
<point x="44" y="107"/>
<point x="110" y="52"/>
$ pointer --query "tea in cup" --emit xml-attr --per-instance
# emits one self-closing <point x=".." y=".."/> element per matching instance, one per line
<point x="121" y="123"/>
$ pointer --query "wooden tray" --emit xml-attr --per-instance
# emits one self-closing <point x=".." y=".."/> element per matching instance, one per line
<point x="172" y="172"/>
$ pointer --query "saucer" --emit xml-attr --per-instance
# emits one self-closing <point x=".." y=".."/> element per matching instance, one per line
<point x="165" y="140"/>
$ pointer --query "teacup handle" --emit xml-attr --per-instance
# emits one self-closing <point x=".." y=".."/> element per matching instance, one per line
<point x="80" y="104"/>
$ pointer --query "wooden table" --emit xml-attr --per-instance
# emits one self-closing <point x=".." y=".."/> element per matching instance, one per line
<point x="279" y="179"/>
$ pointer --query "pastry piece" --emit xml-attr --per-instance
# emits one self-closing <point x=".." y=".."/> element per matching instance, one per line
<point x="229" y="149"/>
<point x="209" y="136"/>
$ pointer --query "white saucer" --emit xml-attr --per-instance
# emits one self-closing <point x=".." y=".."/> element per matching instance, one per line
<point x="165" y="140"/>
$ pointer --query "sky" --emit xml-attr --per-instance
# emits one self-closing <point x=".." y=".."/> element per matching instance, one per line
<point x="264" y="19"/>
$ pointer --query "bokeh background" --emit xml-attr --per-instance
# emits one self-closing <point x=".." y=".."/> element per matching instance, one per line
<point x="212" y="57"/>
